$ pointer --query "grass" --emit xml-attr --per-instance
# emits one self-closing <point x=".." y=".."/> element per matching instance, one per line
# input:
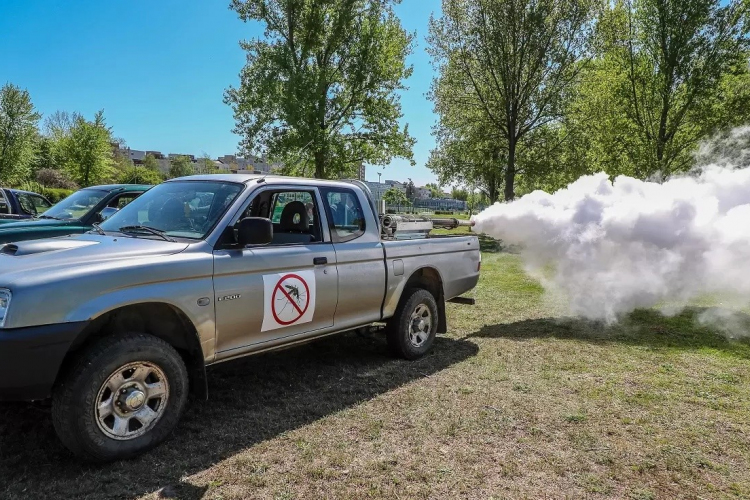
<point x="516" y="401"/>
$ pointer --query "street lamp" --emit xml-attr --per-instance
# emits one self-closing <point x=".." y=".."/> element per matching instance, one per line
<point x="379" y="174"/>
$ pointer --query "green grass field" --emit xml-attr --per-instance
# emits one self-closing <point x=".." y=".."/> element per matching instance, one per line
<point x="515" y="402"/>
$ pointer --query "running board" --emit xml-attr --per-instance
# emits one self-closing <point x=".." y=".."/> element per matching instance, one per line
<point x="466" y="301"/>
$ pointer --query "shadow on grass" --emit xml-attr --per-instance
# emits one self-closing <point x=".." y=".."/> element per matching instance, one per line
<point x="251" y="400"/>
<point x="642" y="327"/>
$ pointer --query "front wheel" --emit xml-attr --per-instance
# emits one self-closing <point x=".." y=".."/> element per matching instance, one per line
<point x="411" y="331"/>
<point x="123" y="396"/>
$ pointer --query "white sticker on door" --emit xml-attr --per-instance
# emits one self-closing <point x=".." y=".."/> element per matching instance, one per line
<point x="289" y="299"/>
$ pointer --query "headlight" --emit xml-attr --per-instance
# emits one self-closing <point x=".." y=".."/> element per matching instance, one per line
<point x="4" y="305"/>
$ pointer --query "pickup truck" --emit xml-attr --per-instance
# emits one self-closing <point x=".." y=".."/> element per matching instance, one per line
<point x="16" y="204"/>
<point x="117" y="325"/>
<point x="76" y="214"/>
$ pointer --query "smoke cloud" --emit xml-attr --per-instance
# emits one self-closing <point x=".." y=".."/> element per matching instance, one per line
<point x="616" y="246"/>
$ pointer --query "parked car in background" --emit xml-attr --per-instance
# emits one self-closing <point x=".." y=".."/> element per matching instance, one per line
<point x="16" y="204"/>
<point x="76" y="214"/>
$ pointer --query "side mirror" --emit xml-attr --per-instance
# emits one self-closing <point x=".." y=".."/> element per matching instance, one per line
<point x="254" y="231"/>
<point x="106" y="213"/>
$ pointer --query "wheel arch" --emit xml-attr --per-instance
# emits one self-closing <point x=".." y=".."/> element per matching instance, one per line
<point x="429" y="278"/>
<point x="160" y="319"/>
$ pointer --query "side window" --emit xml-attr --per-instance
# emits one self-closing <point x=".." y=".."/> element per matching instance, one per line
<point x="4" y="207"/>
<point x="40" y="203"/>
<point x="281" y="200"/>
<point x="121" y="201"/>
<point x="344" y="213"/>
<point x="27" y="203"/>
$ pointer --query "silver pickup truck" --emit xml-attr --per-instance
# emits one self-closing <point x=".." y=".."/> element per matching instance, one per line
<point x="119" y="324"/>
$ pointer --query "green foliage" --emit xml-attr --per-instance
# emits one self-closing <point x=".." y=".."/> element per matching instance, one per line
<point x="435" y="191"/>
<point x="151" y="163"/>
<point x="667" y="75"/>
<point x="56" y="195"/>
<point x="205" y="165"/>
<point x="459" y="194"/>
<point x="180" y="166"/>
<point x="18" y="133"/>
<point x="86" y="151"/>
<point x="319" y="91"/>
<point x="139" y="175"/>
<point x="396" y="197"/>
<point x="504" y="69"/>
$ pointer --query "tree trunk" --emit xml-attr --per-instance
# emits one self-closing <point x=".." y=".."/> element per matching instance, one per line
<point x="510" y="171"/>
<point x="320" y="165"/>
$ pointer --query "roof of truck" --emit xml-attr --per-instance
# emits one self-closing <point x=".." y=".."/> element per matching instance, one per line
<point x="271" y="179"/>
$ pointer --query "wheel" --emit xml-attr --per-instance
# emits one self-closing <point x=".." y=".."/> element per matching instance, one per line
<point x="123" y="396"/>
<point x="411" y="331"/>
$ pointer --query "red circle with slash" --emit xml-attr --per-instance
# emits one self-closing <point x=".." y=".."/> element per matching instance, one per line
<point x="280" y="288"/>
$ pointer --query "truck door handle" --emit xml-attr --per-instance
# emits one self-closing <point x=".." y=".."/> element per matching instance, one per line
<point x="319" y="261"/>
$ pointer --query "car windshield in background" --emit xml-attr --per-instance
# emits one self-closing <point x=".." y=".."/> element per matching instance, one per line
<point x="181" y="209"/>
<point x="76" y="205"/>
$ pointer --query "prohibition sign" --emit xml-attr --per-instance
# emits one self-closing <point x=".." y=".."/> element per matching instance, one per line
<point x="288" y="278"/>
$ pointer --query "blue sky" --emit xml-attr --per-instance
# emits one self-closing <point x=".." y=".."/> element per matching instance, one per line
<point x="159" y="70"/>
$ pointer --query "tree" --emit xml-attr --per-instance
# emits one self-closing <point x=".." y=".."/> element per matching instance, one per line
<point x="396" y="197"/>
<point x="139" y="175"/>
<point x="150" y="162"/>
<point x="86" y="150"/>
<point x="319" y="91"/>
<point x="205" y="165"/>
<point x="511" y="62"/>
<point x="18" y="132"/>
<point x="180" y="166"/>
<point x="673" y="57"/>
<point x="411" y="190"/>
<point x="459" y="194"/>
<point x="435" y="191"/>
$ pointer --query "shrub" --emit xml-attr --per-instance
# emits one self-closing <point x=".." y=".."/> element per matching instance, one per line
<point x="136" y="175"/>
<point x="56" y="195"/>
<point x="55" y="179"/>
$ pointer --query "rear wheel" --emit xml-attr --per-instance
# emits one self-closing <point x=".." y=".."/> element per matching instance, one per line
<point x="411" y="331"/>
<point x="123" y="396"/>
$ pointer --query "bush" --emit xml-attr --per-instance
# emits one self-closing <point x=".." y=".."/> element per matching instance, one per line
<point x="56" y="195"/>
<point x="55" y="179"/>
<point x="140" y="175"/>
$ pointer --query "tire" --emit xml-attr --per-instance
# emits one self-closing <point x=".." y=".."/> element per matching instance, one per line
<point x="88" y="414"/>
<point x="403" y="341"/>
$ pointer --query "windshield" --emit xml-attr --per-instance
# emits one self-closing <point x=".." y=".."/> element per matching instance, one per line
<point x="76" y="205"/>
<point x="183" y="209"/>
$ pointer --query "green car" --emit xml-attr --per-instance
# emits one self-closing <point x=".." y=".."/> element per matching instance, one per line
<point x="75" y="214"/>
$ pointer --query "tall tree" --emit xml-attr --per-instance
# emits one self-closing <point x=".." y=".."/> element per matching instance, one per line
<point x="205" y="165"/>
<point x="674" y="56"/>
<point x="18" y="133"/>
<point x="180" y="166"/>
<point x="319" y="91"/>
<point x="511" y="61"/>
<point x="86" y="150"/>
<point x="150" y="162"/>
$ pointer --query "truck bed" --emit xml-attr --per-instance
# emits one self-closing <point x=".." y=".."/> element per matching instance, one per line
<point x="455" y="258"/>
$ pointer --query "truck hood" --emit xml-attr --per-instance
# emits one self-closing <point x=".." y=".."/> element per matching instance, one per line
<point x="70" y="252"/>
<point x="15" y="224"/>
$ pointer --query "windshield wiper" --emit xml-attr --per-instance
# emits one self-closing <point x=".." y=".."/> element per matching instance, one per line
<point x="98" y="228"/>
<point x="154" y="231"/>
<point x="48" y="217"/>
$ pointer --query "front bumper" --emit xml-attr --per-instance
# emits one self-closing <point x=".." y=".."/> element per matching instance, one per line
<point x="30" y="359"/>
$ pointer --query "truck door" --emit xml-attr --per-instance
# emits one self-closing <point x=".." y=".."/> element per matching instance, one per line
<point x="359" y="256"/>
<point x="285" y="289"/>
